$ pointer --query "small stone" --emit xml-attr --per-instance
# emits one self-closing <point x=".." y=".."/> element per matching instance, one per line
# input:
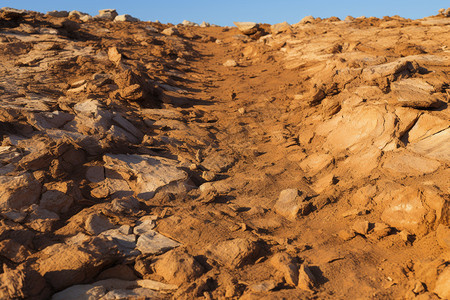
<point x="284" y="263"/>
<point x="442" y="287"/>
<point x="346" y="234"/>
<point x="230" y="63"/>
<point x="247" y="28"/>
<point x="188" y="23"/>
<point x="381" y="230"/>
<point x="361" y="227"/>
<point x="95" y="174"/>
<point x="241" y="110"/>
<point x="153" y="242"/>
<point x="306" y="279"/>
<point x="170" y="31"/>
<point x="209" y="175"/>
<point x="419" y="288"/>
<point x="291" y="203"/>
<point x="264" y="286"/>
<point x="58" y="14"/>
<point x="443" y="236"/>
<point x="144" y="225"/>
<point x="100" y="192"/>
<point x="107" y="14"/>
<point x="205" y="24"/>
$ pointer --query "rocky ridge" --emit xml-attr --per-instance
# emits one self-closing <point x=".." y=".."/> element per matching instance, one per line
<point x="149" y="160"/>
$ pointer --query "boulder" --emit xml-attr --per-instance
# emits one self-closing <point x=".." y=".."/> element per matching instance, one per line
<point x="152" y="242"/>
<point x="107" y="14"/>
<point x="23" y="282"/>
<point x="125" y="18"/>
<point x="247" y="28"/>
<point x="18" y="191"/>
<point x="59" y="196"/>
<point x="280" y="27"/>
<point x="97" y="223"/>
<point x="170" y="31"/>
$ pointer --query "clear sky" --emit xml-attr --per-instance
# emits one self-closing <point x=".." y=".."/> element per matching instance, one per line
<point x="224" y="12"/>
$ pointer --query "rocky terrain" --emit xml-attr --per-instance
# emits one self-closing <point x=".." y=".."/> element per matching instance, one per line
<point x="141" y="160"/>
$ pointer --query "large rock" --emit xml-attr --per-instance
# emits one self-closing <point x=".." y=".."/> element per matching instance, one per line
<point x="58" y="197"/>
<point x="247" y="28"/>
<point x="125" y="18"/>
<point x="235" y="253"/>
<point x="406" y="163"/>
<point x="412" y="209"/>
<point x="284" y="263"/>
<point x="150" y="172"/>
<point x="357" y="128"/>
<point x="107" y="14"/>
<point x="178" y="267"/>
<point x="18" y="191"/>
<point x="63" y="265"/>
<point x="414" y="92"/>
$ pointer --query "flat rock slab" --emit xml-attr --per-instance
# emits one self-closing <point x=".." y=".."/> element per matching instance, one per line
<point x="247" y="27"/>
<point x="410" y="164"/>
<point x="414" y="92"/>
<point x="153" y="242"/>
<point x="151" y="172"/>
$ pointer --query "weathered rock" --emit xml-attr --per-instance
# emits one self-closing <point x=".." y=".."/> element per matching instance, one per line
<point x="58" y="197"/>
<point x="63" y="265"/>
<point x="346" y="234"/>
<point x="361" y="227"/>
<point x="22" y="283"/>
<point x="442" y="287"/>
<point x="284" y="263"/>
<point x="152" y="242"/>
<point x="107" y="14"/>
<point x="414" y="92"/>
<point x="443" y="236"/>
<point x="151" y="173"/>
<point x="306" y="279"/>
<point x="145" y="224"/>
<point x="18" y="191"/>
<point x="125" y="18"/>
<point x="247" y="28"/>
<point x="81" y="292"/>
<point x="41" y="219"/>
<point x="58" y="13"/>
<point x="97" y="223"/>
<point x="235" y="253"/>
<point x="188" y="23"/>
<point x="291" y="203"/>
<point x="280" y="27"/>
<point x="314" y="163"/>
<point x="178" y="267"/>
<point x="230" y="63"/>
<point x="219" y="161"/>
<point x="170" y="31"/>
<point x="95" y="174"/>
<point x="123" y="238"/>
<point x="122" y="272"/>
<point x="263" y="287"/>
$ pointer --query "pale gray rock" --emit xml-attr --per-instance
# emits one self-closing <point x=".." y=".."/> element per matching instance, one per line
<point x="152" y="242"/>
<point x="123" y="239"/>
<point x="230" y="63"/>
<point x="170" y="31"/>
<point x="151" y="173"/>
<point x="145" y="224"/>
<point x="247" y="28"/>
<point x="125" y="124"/>
<point x="81" y="292"/>
<point x="188" y="23"/>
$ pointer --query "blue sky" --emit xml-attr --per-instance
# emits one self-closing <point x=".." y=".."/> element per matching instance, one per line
<point x="225" y="12"/>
